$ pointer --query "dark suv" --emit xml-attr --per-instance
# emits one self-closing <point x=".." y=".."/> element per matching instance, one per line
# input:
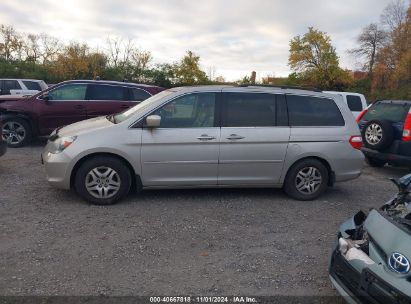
<point x="66" y="103"/>
<point x="386" y="130"/>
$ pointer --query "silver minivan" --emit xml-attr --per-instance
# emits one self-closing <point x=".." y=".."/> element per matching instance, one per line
<point x="210" y="136"/>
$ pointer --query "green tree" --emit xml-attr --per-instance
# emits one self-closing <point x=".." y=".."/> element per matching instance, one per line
<point x="188" y="70"/>
<point x="313" y="58"/>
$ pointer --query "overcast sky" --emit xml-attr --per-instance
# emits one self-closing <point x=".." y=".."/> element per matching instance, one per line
<point x="234" y="36"/>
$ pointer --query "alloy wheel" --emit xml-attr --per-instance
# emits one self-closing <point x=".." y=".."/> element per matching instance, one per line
<point x="373" y="134"/>
<point x="102" y="182"/>
<point x="308" y="180"/>
<point x="14" y="132"/>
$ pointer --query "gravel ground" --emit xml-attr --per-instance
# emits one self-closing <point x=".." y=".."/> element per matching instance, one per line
<point x="170" y="242"/>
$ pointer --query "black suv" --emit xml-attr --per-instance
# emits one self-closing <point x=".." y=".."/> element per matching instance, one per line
<point x="386" y="130"/>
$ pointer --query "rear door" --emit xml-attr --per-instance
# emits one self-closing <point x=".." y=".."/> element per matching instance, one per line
<point x="105" y="99"/>
<point x="254" y="138"/>
<point x="66" y="105"/>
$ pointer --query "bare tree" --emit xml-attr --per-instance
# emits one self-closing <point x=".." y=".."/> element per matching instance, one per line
<point x="32" y="47"/>
<point x="50" y="48"/>
<point x="114" y="49"/>
<point x="370" y="40"/>
<point x="211" y="72"/>
<point x="128" y="48"/>
<point x="394" y="15"/>
<point x="141" y="58"/>
<point x="140" y="61"/>
<point x="9" y="42"/>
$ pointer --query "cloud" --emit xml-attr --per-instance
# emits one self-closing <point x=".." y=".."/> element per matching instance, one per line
<point x="235" y="37"/>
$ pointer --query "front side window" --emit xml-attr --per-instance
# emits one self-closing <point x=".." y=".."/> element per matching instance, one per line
<point x="189" y="111"/>
<point x="354" y="103"/>
<point x="249" y="110"/>
<point x="69" y="92"/>
<point x="308" y="111"/>
<point x="106" y="92"/>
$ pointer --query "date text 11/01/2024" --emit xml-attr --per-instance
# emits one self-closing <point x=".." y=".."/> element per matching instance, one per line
<point x="200" y="299"/>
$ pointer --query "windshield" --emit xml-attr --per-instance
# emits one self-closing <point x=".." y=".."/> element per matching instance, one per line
<point x="122" y="116"/>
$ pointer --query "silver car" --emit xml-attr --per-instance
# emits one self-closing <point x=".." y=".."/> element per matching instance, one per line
<point x="210" y="136"/>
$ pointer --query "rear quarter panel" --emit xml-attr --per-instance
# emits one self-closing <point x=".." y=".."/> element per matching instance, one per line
<point x="328" y="143"/>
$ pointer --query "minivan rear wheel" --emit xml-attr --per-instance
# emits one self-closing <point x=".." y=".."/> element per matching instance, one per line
<point x="306" y="180"/>
<point x="103" y="180"/>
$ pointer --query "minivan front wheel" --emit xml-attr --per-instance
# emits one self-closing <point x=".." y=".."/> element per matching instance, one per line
<point x="306" y="180"/>
<point x="103" y="180"/>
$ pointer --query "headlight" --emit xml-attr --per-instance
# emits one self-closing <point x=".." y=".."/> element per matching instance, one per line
<point x="62" y="143"/>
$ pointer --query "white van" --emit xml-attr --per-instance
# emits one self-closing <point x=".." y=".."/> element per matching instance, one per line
<point x="356" y="102"/>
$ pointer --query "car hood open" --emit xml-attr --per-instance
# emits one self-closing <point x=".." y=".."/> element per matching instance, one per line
<point x="388" y="234"/>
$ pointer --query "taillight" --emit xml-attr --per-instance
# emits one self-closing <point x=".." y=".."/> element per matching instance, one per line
<point x="362" y="114"/>
<point x="406" y="131"/>
<point x="356" y="142"/>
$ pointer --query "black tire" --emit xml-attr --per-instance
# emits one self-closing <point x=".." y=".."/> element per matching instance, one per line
<point x="20" y="140"/>
<point x="291" y="181"/>
<point x="123" y="177"/>
<point x="378" y="143"/>
<point x="373" y="162"/>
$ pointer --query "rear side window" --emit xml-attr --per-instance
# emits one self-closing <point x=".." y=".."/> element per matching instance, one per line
<point x="388" y="111"/>
<point x="249" y="110"/>
<point x="354" y="103"/>
<point x="32" y="85"/>
<point x="106" y="92"/>
<point x="139" y="95"/>
<point x="308" y="111"/>
<point x="11" y="85"/>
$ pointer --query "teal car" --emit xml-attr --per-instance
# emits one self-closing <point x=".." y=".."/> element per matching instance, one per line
<point x="371" y="260"/>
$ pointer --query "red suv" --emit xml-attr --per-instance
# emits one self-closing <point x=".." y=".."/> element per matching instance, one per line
<point x="66" y="103"/>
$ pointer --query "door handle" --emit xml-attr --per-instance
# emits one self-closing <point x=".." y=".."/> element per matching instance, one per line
<point x="235" y="137"/>
<point x="79" y="107"/>
<point x="205" y="137"/>
<point x="125" y="106"/>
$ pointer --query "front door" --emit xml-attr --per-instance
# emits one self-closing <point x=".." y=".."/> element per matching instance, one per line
<point x="183" y="151"/>
<point x="66" y="104"/>
<point x="254" y="139"/>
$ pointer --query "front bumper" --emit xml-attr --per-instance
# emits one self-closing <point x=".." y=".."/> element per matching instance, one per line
<point x="58" y="169"/>
<point x="361" y="287"/>
<point x="3" y="147"/>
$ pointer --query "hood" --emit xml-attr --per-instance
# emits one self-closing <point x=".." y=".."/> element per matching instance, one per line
<point x="84" y="126"/>
<point x="389" y="235"/>
<point x="12" y="101"/>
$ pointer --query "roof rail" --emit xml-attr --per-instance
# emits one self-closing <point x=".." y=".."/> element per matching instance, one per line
<point x="281" y="87"/>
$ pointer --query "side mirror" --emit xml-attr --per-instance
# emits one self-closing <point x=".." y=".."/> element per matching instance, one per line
<point x="45" y="96"/>
<point x="153" y="121"/>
